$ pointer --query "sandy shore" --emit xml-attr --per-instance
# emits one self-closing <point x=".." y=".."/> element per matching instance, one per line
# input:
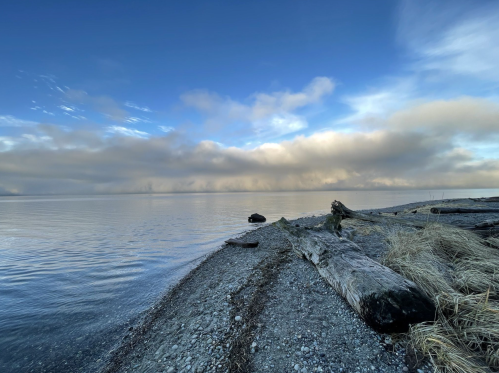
<point x="267" y="310"/>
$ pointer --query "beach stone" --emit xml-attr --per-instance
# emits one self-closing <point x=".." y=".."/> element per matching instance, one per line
<point x="174" y="347"/>
<point x="238" y="318"/>
<point x="257" y="218"/>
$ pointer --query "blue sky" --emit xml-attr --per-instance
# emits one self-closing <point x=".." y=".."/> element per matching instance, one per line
<point x="123" y="96"/>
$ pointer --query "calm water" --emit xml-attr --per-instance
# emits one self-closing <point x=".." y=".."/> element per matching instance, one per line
<point x="75" y="272"/>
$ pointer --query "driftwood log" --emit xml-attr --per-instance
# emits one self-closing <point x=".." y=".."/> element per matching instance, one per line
<point x="240" y="243"/>
<point x="383" y="298"/>
<point x="488" y="199"/>
<point x="454" y="210"/>
<point x="338" y="208"/>
<point x="487" y="223"/>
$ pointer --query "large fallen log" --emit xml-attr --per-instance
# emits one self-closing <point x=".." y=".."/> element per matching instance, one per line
<point x="458" y="210"/>
<point x="338" y="208"/>
<point x="383" y="298"/>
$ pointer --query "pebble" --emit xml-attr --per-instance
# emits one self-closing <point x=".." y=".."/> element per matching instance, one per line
<point x="170" y="370"/>
<point x="174" y="347"/>
<point x="297" y="367"/>
<point x="238" y="318"/>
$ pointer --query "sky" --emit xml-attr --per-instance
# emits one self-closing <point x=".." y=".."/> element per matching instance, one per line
<point x="221" y="96"/>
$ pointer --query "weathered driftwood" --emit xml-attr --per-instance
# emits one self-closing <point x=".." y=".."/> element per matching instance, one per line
<point x="458" y="210"/>
<point x="240" y="243"/>
<point x="487" y="223"/>
<point x="384" y="299"/>
<point x="338" y="208"/>
<point x="488" y="199"/>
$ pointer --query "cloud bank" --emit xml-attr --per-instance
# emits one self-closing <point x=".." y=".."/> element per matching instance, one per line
<point x="415" y="147"/>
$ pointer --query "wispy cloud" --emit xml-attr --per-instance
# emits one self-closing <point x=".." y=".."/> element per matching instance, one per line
<point x="269" y="114"/>
<point x="166" y="128"/>
<point x="136" y="107"/>
<point x="127" y="132"/>
<point x="11" y="121"/>
<point x="104" y="104"/>
<point x="137" y="120"/>
<point x="66" y="108"/>
<point x="452" y="37"/>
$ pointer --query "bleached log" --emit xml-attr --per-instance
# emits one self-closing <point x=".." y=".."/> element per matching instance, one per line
<point x="338" y="208"/>
<point x="488" y="199"/>
<point x="454" y="210"/>
<point x="487" y="224"/>
<point x="383" y="298"/>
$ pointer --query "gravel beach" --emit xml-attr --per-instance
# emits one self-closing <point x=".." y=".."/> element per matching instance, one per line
<point x="265" y="309"/>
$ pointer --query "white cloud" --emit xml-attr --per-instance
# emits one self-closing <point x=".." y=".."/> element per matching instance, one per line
<point x="127" y="132"/>
<point x="66" y="108"/>
<point x="370" y="106"/>
<point x="137" y="120"/>
<point x="7" y="143"/>
<point x="11" y="121"/>
<point x="457" y="38"/>
<point x="281" y="124"/>
<point x="136" y="107"/>
<point x="269" y="114"/>
<point x="166" y="128"/>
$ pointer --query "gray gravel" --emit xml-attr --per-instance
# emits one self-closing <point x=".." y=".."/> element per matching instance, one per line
<point x="264" y="310"/>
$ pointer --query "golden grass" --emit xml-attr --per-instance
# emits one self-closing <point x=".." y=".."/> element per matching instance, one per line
<point x="362" y="227"/>
<point x="461" y="273"/>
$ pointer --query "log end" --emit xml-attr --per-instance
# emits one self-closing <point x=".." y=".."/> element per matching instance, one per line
<point x="395" y="311"/>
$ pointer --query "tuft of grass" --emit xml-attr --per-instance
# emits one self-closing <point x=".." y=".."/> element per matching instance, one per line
<point x="361" y="227"/>
<point x="460" y="273"/>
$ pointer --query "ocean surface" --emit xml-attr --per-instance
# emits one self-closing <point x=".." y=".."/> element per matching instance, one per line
<point x="77" y="271"/>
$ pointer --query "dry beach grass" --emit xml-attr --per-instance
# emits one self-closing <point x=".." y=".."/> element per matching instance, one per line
<point x="461" y="273"/>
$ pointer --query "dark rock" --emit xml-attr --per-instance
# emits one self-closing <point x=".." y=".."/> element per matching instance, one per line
<point x="257" y="218"/>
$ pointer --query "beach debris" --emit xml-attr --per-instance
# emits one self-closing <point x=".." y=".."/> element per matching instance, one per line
<point x="488" y="199"/>
<point x="458" y="210"/>
<point x="257" y="218"/>
<point x="387" y="302"/>
<point x="338" y="208"/>
<point x="487" y="223"/>
<point x="241" y="243"/>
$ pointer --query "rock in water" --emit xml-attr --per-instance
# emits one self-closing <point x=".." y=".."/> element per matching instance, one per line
<point x="257" y="218"/>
